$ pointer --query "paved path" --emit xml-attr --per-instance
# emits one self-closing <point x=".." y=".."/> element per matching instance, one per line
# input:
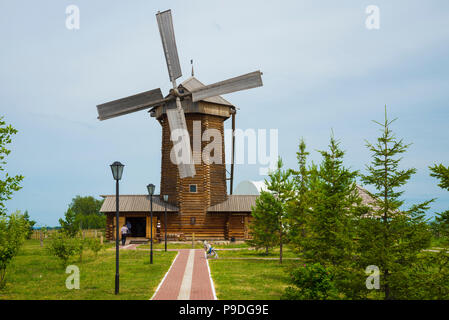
<point x="187" y="279"/>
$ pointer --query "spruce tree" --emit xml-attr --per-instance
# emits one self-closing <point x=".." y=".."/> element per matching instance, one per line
<point x="299" y="206"/>
<point x="334" y="203"/>
<point x="271" y="209"/>
<point x="264" y="225"/>
<point x="442" y="219"/>
<point x="392" y="238"/>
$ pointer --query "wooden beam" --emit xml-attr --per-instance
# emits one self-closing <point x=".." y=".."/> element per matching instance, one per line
<point x="233" y="152"/>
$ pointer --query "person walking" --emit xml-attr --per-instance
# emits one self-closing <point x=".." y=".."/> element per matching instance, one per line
<point x="124" y="232"/>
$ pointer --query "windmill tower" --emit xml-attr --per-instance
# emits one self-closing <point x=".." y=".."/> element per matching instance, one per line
<point x="193" y="195"/>
<point x="188" y="112"/>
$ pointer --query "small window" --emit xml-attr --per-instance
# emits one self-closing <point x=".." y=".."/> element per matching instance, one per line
<point x="192" y="188"/>
<point x="192" y="220"/>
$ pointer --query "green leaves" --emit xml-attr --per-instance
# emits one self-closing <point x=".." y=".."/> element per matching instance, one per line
<point x="8" y="184"/>
<point x="394" y="237"/>
<point x="83" y="212"/>
<point x="441" y="223"/>
<point x="442" y="173"/>
<point x="68" y="225"/>
<point x="13" y="230"/>
<point x="332" y="202"/>
<point x="64" y="247"/>
<point x="311" y="282"/>
<point x="270" y="213"/>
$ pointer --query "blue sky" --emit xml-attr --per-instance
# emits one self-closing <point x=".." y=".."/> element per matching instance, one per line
<point x="323" y="69"/>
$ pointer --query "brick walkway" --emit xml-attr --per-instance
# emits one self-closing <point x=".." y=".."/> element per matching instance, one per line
<point x="187" y="279"/>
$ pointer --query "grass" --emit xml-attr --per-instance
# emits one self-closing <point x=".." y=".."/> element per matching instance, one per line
<point x="249" y="279"/>
<point x="34" y="274"/>
<point x="439" y="242"/>
<point x="247" y="253"/>
<point x="241" y="245"/>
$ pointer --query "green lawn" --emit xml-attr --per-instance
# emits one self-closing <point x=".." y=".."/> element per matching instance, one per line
<point x="34" y="274"/>
<point x="249" y="279"/>
<point x="439" y="242"/>
<point x="242" y="245"/>
<point x="247" y="253"/>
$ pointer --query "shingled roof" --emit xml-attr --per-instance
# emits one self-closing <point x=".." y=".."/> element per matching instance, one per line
<point x="235" y="203"/>
<point x="192" y="84"/>
<point x="135" y="203"/>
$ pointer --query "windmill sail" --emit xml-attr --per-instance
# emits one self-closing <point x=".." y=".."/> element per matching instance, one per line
<point x="243" y="82"/>
<point x="129" y="104"/>
<point x="178" y="130"/>
<point x="165" y="23"/>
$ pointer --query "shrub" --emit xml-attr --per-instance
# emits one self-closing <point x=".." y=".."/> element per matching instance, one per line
<point x="62" y="247"/>
<point x="95" y="246"/>
<point x="13" y="231"/>
<point x="427" y="279"/>
<point x="80" y="244"/>
<point x="310" y="282"/>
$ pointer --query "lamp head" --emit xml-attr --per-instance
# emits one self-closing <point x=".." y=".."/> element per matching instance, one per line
<point x="117" y="170"/>
<point x="150" y="189"/>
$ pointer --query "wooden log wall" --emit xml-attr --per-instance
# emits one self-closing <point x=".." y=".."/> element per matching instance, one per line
<point x="210" y="181"/>
<point x="214" y="226"/>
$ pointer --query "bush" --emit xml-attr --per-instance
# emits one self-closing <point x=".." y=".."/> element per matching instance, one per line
<point x="310" y="282"/>
<point x="13" y="231"/>
<point x="80" y="244"/>
<point x="62" y="247"/>
<point x="95" y="246"/>
<point x="427" y="279"/>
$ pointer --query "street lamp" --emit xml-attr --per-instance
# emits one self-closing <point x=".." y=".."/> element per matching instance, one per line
<point x="117" y="171"/>
<point x="150" y="189"/>
<point x="165" y="220"/>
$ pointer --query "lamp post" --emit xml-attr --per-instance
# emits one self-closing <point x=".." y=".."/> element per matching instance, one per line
<point x="150" y="189"/>
<point x="165" y="220"/>
<point x="117" y="171"/>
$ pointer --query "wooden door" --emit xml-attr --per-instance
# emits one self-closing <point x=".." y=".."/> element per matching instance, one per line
<point x="121" y="222"/>
<point x="148" y="235"/>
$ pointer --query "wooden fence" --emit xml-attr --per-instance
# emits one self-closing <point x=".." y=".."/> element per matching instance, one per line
<point x="88" y="233"/>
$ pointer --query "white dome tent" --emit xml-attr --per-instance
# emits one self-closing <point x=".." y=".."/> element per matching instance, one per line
<point x="249" y="187"/>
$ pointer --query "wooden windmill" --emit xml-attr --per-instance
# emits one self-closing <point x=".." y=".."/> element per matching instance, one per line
<point x="191" y="185"/>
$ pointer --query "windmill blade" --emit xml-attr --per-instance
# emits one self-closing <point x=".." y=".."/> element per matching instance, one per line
<point x="177" y="123"/>
<point x="130" y="104"/>
<point x="165" y="23"/>
<point x="246" y="81"/>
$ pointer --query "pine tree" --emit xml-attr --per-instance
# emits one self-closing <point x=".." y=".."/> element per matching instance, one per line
<point x="442" y="219"/>
<point x="442" y="173"/>
<point x="299" y="206"/>
<point x="333" y="202"/>
<point x="69" y="225"/>
<point x="264" y="226"/>
<point x="271" y="209"/>
<point x="30" y="223"/>
<point x="392" y="238"/>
